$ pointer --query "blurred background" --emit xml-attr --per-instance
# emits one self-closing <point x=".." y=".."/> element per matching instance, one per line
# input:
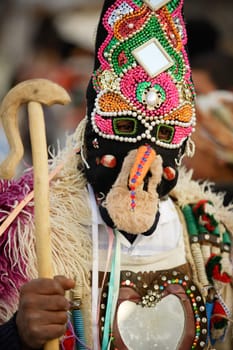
<point x="55" y="39"/>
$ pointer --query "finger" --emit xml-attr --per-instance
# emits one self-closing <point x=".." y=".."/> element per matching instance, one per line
<point x="52" y="331"/>
<point x="44" y="302"/>
<point x="48" y="286"/>
<point x="36" y="328"/>
<point x="45" y="318"/>
<point x="66" y="283"/>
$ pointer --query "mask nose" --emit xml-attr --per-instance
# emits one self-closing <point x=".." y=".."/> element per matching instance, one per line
<point x="144" y="158"/>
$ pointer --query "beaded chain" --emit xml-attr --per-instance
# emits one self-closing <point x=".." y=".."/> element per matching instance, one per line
<point x="124" y="84"/>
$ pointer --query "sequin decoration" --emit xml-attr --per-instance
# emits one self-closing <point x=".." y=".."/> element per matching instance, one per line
<point x="108" y="80"/>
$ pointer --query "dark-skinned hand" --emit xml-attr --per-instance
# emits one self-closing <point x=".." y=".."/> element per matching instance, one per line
<point x="42" y="313"/>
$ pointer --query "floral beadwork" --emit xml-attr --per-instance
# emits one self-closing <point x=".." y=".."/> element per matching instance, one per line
<point x="125" y="84"/>
<point x="132" y="81"/>
<point x="130" y="23"/>
<point x="170" y="29"/>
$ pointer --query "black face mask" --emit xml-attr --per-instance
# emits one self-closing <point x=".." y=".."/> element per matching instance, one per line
<point x="133" y="101"/>
<point x="102" y="173"/>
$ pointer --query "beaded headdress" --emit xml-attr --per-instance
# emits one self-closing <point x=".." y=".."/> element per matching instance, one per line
<point x="141" y="90"/>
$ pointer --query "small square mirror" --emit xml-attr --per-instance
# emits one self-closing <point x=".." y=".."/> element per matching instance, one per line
<point x="152" y="57"/>
<point x="156" y="4"/>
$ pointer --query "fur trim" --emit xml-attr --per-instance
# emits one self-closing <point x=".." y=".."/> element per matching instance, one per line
<point x="14" y="253"/>
<point x="70" y="225"/>
<point x="188" y="191"/>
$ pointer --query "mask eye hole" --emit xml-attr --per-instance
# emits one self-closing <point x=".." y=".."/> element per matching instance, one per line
<point x="124" y="126"/>
<point x="165" y="133"/>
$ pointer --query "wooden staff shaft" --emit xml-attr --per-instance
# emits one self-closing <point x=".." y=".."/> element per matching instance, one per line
<point x="41" y="196"/>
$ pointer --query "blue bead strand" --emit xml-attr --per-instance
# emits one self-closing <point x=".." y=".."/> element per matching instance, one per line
<point x="79" y="329"/>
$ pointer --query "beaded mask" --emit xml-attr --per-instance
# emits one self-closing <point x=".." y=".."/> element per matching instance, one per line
<point x="141" y="91"/>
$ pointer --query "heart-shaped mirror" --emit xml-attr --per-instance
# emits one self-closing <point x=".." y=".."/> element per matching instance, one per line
<point x="160" y="327"/>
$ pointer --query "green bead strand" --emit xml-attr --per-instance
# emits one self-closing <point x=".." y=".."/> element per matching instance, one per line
<point x="190" y="220"/>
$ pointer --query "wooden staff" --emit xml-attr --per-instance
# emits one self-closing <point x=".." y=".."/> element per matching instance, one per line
<point x="35" y="92"/>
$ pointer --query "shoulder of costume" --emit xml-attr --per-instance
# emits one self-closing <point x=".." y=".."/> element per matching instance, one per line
<point x="191" y="192"/>
<point x="208" y="236"/>
<point x="69" y="221"/>
<point x="64" y="164"/>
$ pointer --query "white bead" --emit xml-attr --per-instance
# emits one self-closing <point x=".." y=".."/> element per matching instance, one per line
<point x="151" y="98"/>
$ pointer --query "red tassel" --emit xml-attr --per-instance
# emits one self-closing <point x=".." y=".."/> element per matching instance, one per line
<point x="69" y="340"/>
<point x="218" y="310"/>
<point x="223" y="277"/>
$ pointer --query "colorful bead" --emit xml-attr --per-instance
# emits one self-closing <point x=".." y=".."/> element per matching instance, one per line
<point x="124" y="87"/>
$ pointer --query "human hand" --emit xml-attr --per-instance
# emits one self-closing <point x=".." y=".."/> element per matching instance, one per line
<point x="42" y="313"/>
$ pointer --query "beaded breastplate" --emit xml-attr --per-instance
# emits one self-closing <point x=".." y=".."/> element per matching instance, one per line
<point x="161" y="310"/>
